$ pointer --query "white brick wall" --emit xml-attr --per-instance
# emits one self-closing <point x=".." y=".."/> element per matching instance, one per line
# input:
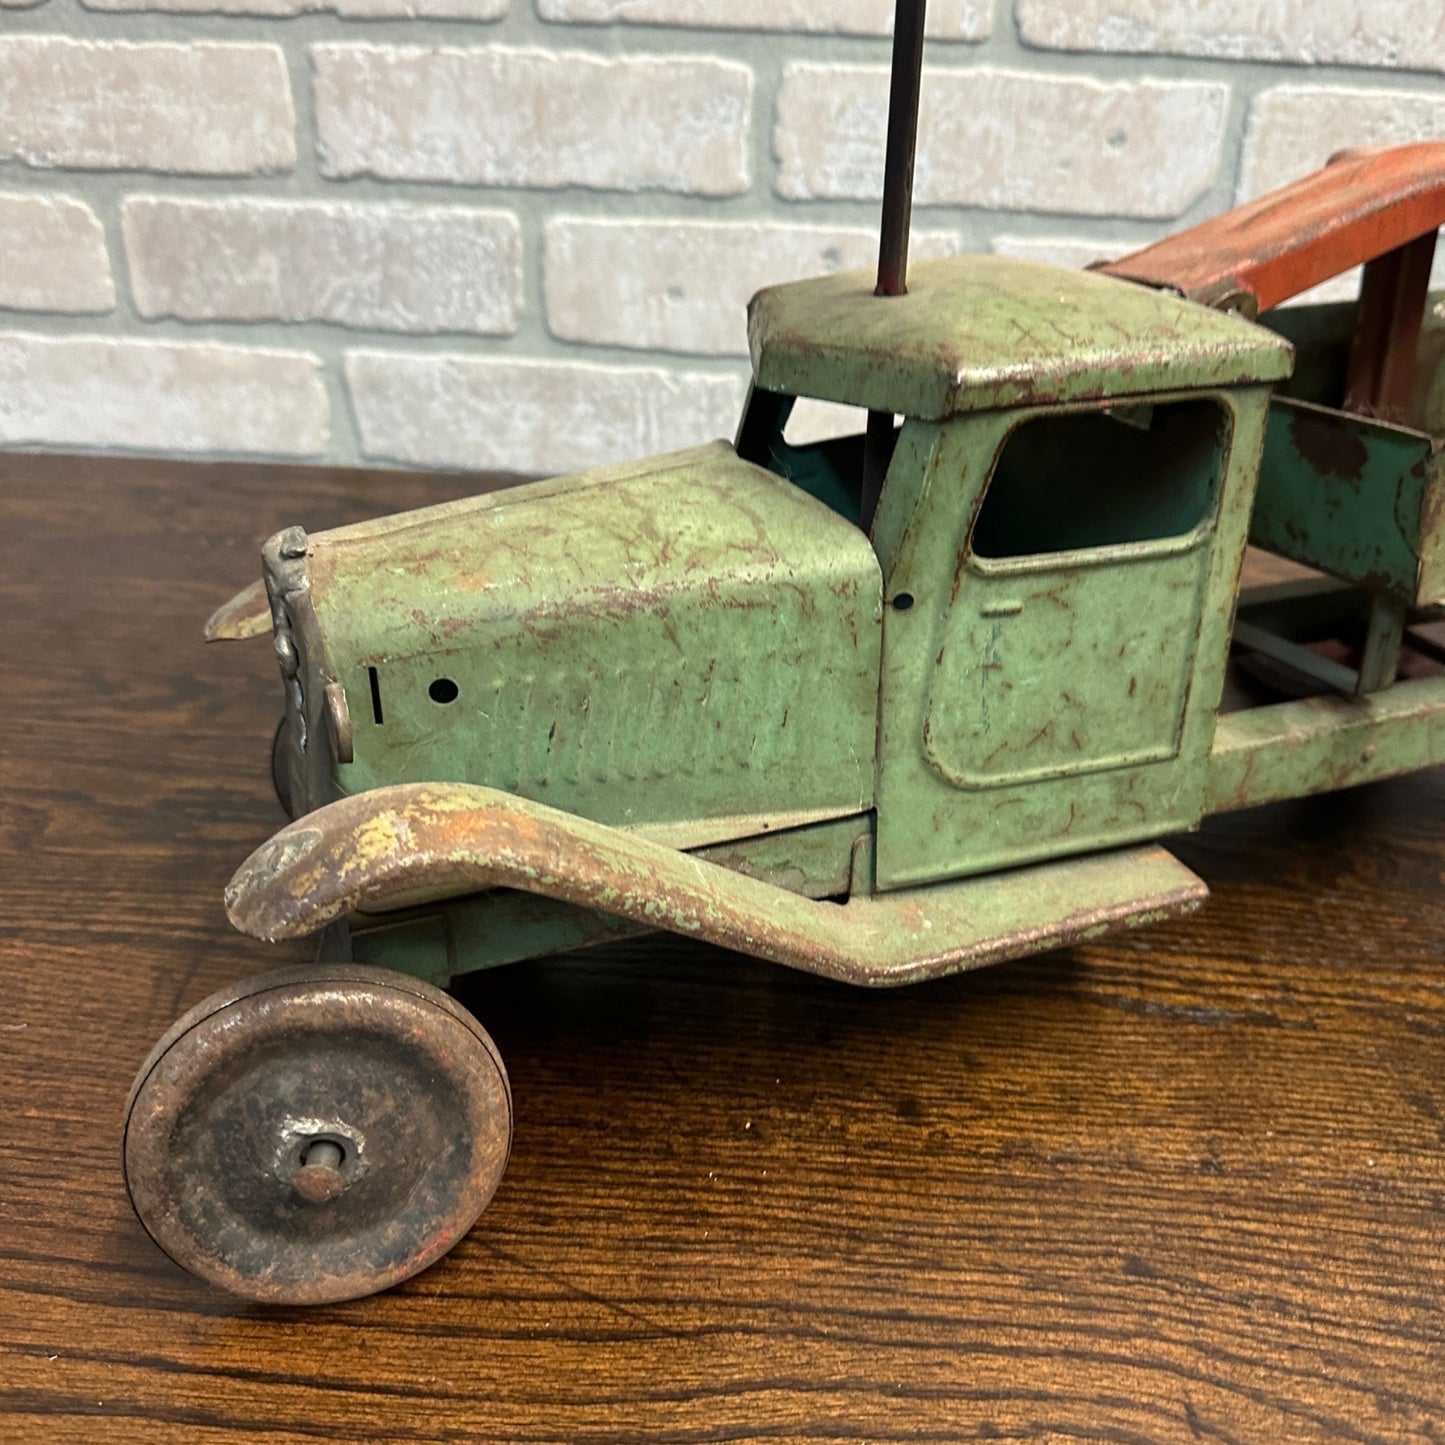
<point x="1405" y="33"/>
<point x="387" y="267"/>
<point x="200" y="109"/>
<point x="684" y="285"/>
<point x="946" y="20"/>
<point x="357" y="9"/>
<point x="54" y="257"/>
<point x="1295" y="128"/>
<point x="95" y="391"/>
<point x="495" y="116"/>
<point x="459" y="410"/>
<point x="520" y="234"/>
<point x="1133" y="148"/>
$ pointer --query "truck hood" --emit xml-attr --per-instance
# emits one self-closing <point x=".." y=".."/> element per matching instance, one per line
<point x="689" y="640"/>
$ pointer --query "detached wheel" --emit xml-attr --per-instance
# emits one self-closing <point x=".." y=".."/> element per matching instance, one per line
<point x="317" y="1134"/>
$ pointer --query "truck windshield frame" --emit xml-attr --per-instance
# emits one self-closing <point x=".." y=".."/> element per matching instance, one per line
<point x="830" y="468"/>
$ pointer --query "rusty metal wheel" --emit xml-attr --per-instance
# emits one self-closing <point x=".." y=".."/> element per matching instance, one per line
<point x="317" y="1134"/>
<point x="280" y="777"/>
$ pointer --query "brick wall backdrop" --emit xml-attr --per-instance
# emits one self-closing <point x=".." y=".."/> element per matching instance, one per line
<point x="520" y="234"/>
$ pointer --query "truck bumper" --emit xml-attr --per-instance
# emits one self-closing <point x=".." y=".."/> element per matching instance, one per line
<point x="417" y="843"/>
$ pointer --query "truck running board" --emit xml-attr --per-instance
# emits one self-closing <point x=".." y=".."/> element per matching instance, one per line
<point x="402" y="846"/>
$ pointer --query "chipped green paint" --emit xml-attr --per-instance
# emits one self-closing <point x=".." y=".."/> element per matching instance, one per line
<point x="1430" y="536"/>
<point x="1349" y="496"/>
<point x="679" y="642"/>
<point x="504" y="925"/>
<point x="979" y="332"/>
<point x="1318" y="744"/>
<point x="1427" y="405"/>
<point x="1054" y="703"/>
<point x="690" y="693"/>
<point x="1321" y="337"/>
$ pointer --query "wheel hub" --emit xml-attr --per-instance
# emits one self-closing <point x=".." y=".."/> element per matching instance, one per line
<point x="320" y="1158"/>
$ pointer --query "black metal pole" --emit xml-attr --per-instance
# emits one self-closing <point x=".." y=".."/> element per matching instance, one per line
<point x="903" y="90"/>
<point x="902" y="140"/>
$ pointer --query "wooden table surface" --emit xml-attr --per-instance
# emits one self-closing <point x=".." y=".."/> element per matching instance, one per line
<point x="1183" y="1185"/>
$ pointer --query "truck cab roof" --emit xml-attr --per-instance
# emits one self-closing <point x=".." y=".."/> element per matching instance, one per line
<point x="979" y="332"/>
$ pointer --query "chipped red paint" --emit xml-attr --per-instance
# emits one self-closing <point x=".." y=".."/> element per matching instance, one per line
<point x="1364" y="204"/>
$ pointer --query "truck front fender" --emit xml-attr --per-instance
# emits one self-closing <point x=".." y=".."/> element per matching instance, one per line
<point x="400" y="846"/>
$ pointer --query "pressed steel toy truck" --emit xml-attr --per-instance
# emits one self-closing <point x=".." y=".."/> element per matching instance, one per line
<point x="880" y="707"/>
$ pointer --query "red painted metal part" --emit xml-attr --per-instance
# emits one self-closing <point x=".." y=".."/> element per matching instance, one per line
<point x="1363" y="204"/>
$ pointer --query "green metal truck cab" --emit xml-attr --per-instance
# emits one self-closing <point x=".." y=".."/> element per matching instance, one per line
<point x="1060" y="534"/>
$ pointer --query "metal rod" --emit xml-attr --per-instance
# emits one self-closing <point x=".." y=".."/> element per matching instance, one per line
<point x="1380" y="663"/>
<point x="903" y="90"/>
<point x="877" y="453"/>
<point x="902" y="138"/>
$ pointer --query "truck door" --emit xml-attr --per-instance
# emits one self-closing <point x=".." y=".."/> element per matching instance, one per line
<point x="1056" y="701"/>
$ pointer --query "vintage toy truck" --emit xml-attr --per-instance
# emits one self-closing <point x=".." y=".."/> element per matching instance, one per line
<point x="727" y="692"/>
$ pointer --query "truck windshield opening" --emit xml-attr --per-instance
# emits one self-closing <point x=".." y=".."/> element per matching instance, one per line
<point x="818" y="446"/>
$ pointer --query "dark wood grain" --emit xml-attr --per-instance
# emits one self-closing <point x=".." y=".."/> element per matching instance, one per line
<point x="1186" y="1185"/>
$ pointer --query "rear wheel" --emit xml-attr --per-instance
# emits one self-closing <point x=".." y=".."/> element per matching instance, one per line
<point x="317" y="1134"/>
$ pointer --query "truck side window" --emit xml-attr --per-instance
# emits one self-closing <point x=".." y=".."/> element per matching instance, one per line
<point x="1103" y="478"/>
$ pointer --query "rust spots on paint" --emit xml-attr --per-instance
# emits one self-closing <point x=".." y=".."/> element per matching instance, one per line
<point x="1332" y="449"/>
